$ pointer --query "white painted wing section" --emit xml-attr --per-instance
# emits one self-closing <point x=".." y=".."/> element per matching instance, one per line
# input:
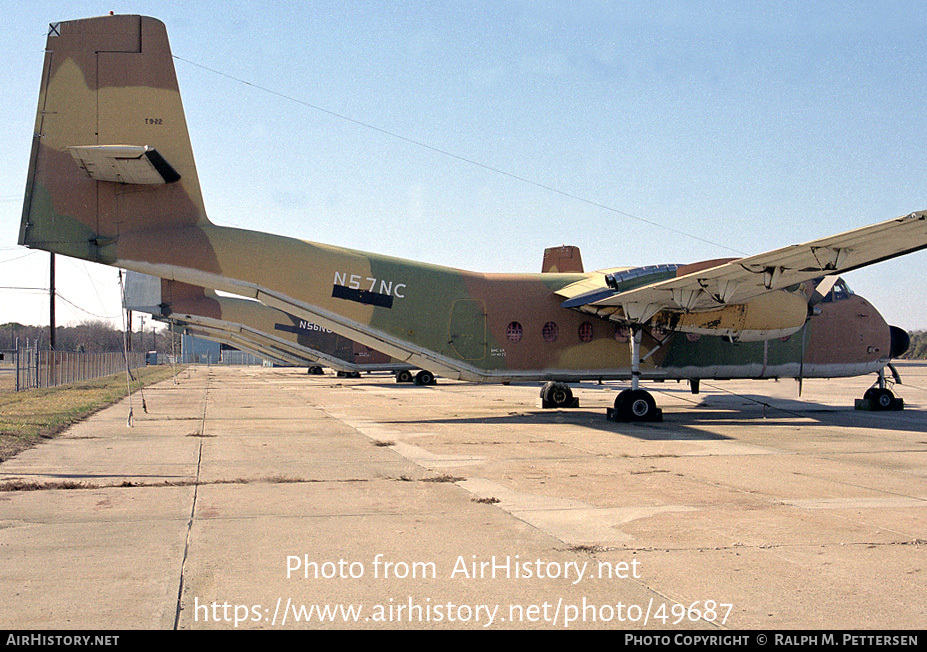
<point x="746" y="278"/>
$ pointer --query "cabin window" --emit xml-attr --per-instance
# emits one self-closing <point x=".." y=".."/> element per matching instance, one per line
<point x="585" y="332"/>
<point x="514" y="331"/>
<point x="550" y="332"/>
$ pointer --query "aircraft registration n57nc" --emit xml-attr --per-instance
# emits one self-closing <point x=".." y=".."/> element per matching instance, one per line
<point x="112" y="179"/>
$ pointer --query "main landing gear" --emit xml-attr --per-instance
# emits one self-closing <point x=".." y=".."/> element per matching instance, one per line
<point x="879" y="397"/>
<point x="630" y="405"/>
<point x="423" y="377"/>
<point x="635" y="404"/>
<point x="557" y="395"/>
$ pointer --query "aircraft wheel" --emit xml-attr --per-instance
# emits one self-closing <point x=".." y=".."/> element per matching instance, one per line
<point x="636" y="405"/>
<point x="424" y="378"/>
<point x="557" y="395"/>
<point x="879" y="398"/>
<point x="404" y="376"/>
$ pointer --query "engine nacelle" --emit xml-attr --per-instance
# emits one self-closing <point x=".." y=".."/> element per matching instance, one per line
<point x="769" y="316"/>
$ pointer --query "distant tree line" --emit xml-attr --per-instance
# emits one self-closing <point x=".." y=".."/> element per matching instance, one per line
<point x="918" y="348"/>
<point x="88" y="336"/>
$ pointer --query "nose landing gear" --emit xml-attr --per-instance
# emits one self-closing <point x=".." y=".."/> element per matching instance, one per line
<point x="879" y="397"/>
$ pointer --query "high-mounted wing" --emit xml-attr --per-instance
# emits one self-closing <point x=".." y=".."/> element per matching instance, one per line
<point x="621" y="296"/>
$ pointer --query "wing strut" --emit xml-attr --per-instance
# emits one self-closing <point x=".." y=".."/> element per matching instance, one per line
<point x="635" y="342"/>
<point x="635" y="404"/>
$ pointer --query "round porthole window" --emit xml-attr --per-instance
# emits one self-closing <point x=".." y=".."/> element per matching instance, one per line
<point x="513" y="332"/>
<point x="550" y="332"/>
<point x="585" y="332"/>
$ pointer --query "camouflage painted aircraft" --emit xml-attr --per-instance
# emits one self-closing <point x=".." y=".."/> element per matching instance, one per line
<point x="112" y="179"/>
<point x="253" y="327"/>
<point x="276" y="336"/>
<point x="223" y="337"/>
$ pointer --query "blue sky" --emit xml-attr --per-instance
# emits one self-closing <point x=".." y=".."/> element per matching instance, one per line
<point x="642" y="132"/>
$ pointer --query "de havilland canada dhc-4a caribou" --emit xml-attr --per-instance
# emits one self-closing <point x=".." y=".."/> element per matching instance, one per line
<point x="112" y="180"/>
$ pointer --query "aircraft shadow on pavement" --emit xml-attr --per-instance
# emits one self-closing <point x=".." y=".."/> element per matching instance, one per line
<point x="593" y="419"/>
<point x="690" y="423"/>
<point x="762" y="410"/>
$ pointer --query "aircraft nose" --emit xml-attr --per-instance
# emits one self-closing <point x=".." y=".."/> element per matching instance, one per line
<point x="900" y="341"/>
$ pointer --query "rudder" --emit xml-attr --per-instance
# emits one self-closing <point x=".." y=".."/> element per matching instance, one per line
<point x="111" y="152"/>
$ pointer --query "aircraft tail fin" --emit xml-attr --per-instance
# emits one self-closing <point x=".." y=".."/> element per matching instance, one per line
<point x="111" y="153"/>
<point x="562" y="259"/>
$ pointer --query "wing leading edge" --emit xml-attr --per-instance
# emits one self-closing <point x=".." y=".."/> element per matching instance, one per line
<point x="616" y="295"/>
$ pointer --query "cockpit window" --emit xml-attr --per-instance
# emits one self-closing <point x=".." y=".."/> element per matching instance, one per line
<point x="840" y="291"/>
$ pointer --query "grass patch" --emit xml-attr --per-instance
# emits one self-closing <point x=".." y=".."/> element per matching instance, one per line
<point x="444" y="478"/>
<point x="31" y="416"/>
<point x="23" y="485"/>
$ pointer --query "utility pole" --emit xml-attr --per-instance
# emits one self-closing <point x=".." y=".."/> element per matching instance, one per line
<point x="51" y="303"/>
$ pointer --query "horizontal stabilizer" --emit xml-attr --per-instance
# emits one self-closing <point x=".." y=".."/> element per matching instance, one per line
<point x="128" y="164"/>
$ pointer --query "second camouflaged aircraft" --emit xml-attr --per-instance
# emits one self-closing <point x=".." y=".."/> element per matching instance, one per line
<point x="112" y="179"/>
<point x="255" y="328"/>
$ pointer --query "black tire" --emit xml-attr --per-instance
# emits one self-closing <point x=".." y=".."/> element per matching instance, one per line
<point x="559" y="395"/>
<point x="635" y="405"/>
<point x="424" y="378"/>
<point x="404" y="376"/>
<point x="879" y="399"/>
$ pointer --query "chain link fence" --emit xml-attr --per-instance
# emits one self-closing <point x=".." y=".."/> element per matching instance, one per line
<point x="42" y="368"/>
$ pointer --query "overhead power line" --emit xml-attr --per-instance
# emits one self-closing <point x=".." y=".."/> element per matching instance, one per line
<point x="457" y="157"/>
<point x="74" y="305"/>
